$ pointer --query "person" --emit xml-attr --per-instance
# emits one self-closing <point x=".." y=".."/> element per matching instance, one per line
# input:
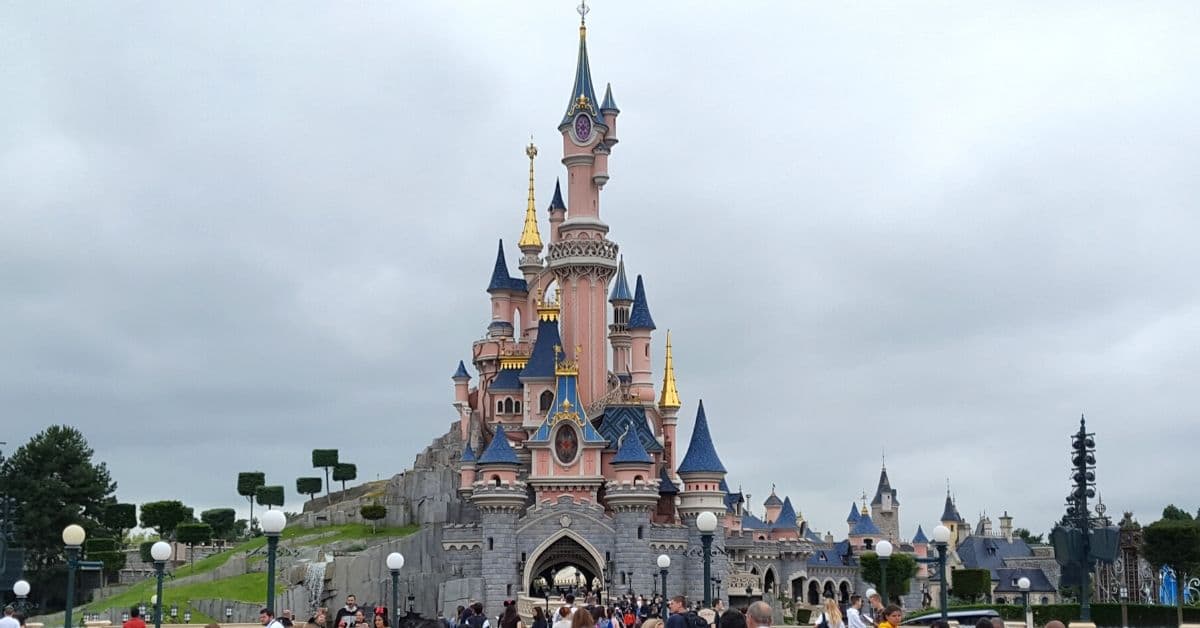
<point x="653" y="622"/>
<point x="539" y="618"/>
<point x="582" y="620"/>
<point x="854" y="618"/>
<point x="719" y="607"/>
<point x="628" y="618"/>
<point x="477" y="619"/>
<point x="983" y="622"/>
<point x="677" y="608"/>
<point x="941" y="623"/>
<point x="135" y="619"/>
<point x="266" y="617"/>
<point x="893" y="615"/>
<point x="758" y="615"/>
<point x="380" y="621"/>
<point x="510" y="618"/>
<point x="732" y="618"/>
<point x="564" y="618"/>
<point x="830" y="616"/>
<point x="708" y="615"/>
<point x="8" y="621"/>
<point x="349" y="609"/>
<point x="569" y="602"/>
<point x="1054" y="623"/>
<point x="605" y="620"/>
<point x="997" y="622"/>
<point x="320" y="618"/>
<point x="360" y="618"/>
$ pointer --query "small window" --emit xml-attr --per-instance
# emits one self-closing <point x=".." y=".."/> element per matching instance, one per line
<point x="508" y="405"/>
<point x="1045" y="600"/>
<point x="496" y="480"/>
<point x="491" y="544"/>
<point x="647" y="350"/>
<point x="546" y="400"/>
<point x="641" y="531"/>
<point x="499" y="406"/>
<point x="517" y="407"/>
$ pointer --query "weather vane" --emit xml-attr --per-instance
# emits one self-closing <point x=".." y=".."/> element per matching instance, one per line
<point x="583" y="11"/>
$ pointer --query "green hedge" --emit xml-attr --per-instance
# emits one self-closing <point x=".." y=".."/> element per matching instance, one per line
<point x="1103" y="615"/>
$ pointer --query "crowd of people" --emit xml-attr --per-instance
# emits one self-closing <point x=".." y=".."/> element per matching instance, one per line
<point x="626" y="611"/>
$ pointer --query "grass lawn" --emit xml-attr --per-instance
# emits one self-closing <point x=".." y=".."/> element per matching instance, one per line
<point x="352" y="531"/>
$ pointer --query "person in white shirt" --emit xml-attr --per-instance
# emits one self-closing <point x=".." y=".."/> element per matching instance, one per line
<point x="830" y="616"/>
<point x="266" y="617"/>
<point x="8" y="621"/>
<point x="854" y="617"/>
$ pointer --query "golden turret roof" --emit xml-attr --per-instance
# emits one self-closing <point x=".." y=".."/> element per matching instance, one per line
<point x="670" y="394"/>
<point x="530" y="238"/>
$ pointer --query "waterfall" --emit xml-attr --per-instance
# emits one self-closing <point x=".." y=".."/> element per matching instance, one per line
<point x="314" y="583"/>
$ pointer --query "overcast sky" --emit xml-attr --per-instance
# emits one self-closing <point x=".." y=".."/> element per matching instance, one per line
<point x="233" y="232"/>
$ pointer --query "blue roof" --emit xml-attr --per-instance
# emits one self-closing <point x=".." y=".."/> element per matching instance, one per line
<point x="731" y="499"/>
<point x="566" y="400"/>
<point x="1008" y="576"/>
<point x="541" y="359"/>
<point x="787" y="516"/>
<point x="639" y="316"/>
<point x="666" y="486"/>
<point x="920" y="537"/>
<point x="609" y="104"/>
<point x="616" y="419"/>
<point x="468" y="454"/>
<point x="701" y="456"/>
<point x="839" y="554"/>
<point x="500" y="277"/>
<point x="884" y="487"/>
<point x="557" y="202"/>
<point x="583" y="85"/>
<point x="620" y="291"/>
<point x="508" y="379"/>
<point x="461" y="372"/>
<point x="987" y="552"/>
<point x="865" y="527"/>
<point x="631" y="451"/>
<point x="498" y="451"/>
<point x="812" y="535"/>
<point x="854" y="516"/>
<point x="773" y="499"/>
<point x="750" y="522"/>
<point x="950" y="511"/>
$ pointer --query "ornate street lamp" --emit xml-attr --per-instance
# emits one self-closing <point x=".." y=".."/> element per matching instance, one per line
<point x="395" y="562"/>
<point x="72" y="537"/>
<point x="664" y="562"/>
<point x="1023" y="585"/>
<point x="187" y="616"/>
<point x="228" y="614"/>
<point x="941" y="542"/>
<point x="174" y="611"/>
<point x="717" y="583"/>
<point x="706" y="522"/>
<point x="883" y="550"/>
<point x="160" y="552"/>
<point x="273" y="522"/>
<point x="21" y="590"/>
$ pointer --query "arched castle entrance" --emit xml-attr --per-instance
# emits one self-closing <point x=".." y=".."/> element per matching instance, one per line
<point x="563" y="550"/>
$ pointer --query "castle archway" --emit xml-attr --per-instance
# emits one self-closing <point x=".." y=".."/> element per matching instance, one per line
<point x="555" y="555"/>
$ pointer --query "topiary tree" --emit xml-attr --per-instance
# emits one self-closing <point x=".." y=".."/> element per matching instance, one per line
<point x="269" y="496"/>
<point x="344" y="472"/>
<point x="247" y="486"/>
<point x="164" y="516"/>
<point x="107" y="551"/>
<point x="971" y="585"/>
<point x="222" y="521"/>
<point x="325" y="459"/>
<point x="901" y="568"/>
<point x="193" y="534"/>
<point x="120" y="518"/>
<point x="309" y="486"/>
<point x="1175" y="543"/>
<point x="373" y="512"/>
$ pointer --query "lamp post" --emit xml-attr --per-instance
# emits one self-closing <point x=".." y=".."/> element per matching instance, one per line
<point x="664" y="562"/>
<point x="941" y="542"/>
<point x="1124" y="592"/>
<point x="717" y="596"/>
<point x="72" y="537"/>
<point x="411" y="597"/>
<point x="160" y="552"/>
<point x="228" y="614"/>
<point x="273" y="522"/>
<point x="174" y="612"/>
<point x="706" y="523"/>
<point x="883" y="550"/>
<point x="21" y="590"/>
<point x="629" y="581"/>
<point x="395" y="562"/>
<point x="1024" y="585"/>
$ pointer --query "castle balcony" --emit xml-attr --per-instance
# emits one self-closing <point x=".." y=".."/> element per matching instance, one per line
<point x="600" y="253"/>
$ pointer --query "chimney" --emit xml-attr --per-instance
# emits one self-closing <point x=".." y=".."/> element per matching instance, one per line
<point x="1006" y="529"/>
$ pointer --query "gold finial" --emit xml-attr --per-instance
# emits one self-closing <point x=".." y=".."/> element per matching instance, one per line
<point x="864" y="502"/>
<point x="583" y="10"/>
<point x="530" y="238"/>
<point x="670" y="394"/>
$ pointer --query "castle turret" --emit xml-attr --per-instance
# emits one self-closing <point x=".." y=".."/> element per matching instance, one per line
<point x="466" y="470"/>
<point x="668" y="406"/>
<point x="865" y="533"/>
<point x="772" y="507"/>
<point x="954" y="521"/>
<point x="531" y="240"/>
<point x="885" y="508"/>
<point x="500" y="497"/>
<point x="558" y="211"/>
<point x="853" y="518"/>
<point x="538" y="374"/>
<point x="618" y="331"/>
<point x="632" y="496"/>
<point x="1006" y="529"/>
<point x="701" y="471"/>
<point x="610" y="111"/>
<point x="920" y="545"/>
<point x="462" y="398"/>
<point x="506" y="292"/>
<point x="641" y="325"/>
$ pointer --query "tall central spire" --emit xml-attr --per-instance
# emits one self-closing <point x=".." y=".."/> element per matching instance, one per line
<point x="583" y="94"/>
<point x="530" y="238"/>
<point x="670" y="394"/>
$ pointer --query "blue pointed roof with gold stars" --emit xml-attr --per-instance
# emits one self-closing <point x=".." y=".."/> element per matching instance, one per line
<point x="499" y="451"/>
<point x="583" y="93"/>
<point x="701" y="456"/>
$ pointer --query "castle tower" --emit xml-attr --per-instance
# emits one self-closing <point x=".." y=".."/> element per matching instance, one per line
<point x="462" y="398"/>
<point x="959" y="529"/>
<point x="702" y="472"/>
<point x="633" y="495"/>
<point x="582" y="258"/>
<point x="507" y="294"/>
<point x="772" y="507"/>
<point x="852" y="519"/>
<point x="618" y="331"/>
<point x="865" y="533"/>
<point x="1006" y="529"/>
<point x="668" y="407"/>
<point x="885" y="508"/>
<point x="531" y="239"/>
<point x="466" y="469"/>
<point x="500" y="497"/>
<point x="558" y="212"/>
<point x="538" y="375"/>
<point x="920" y="545"/>
<point x="641" y="324"/>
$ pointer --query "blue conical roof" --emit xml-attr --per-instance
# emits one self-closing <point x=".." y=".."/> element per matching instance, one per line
<point x="632" y="451"/>
<point x="498" y="451"/>
<point x="609" y="103"/>
<point x="864" y="527"/>
<point x="557" y="201"/>
<point x="701" y="456"/>
<point x="583" y="85"/>
<point x="620" y="291"/>
<point x="461" y="372"/>
<point x="854" y="516"/>
<point x="920" y="537"/>
<point x="773" y="499"/>
<point x="666" y="486"/>
<point x="468" y="454"/>
<point x="950" y="512"/>
<point x="639" y="316"/>
<point x="541" y="359"/>
<point x="787" y="516"/>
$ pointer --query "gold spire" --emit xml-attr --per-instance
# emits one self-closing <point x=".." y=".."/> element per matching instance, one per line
<point x="530" y="236"/>
<point x="670" y="394"/>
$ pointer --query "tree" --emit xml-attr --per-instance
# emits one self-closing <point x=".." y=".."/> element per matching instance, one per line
<point x="120" y="518"/>
<point x="107" y="551"/>
<point x="1029" y="537"/>
<point x="1175" y="543"/>
<point x="269" y="496"/>
<point x="309" y="486"/>
<point x="164" y="516"/>
<point x="247" y="486"/>
<point x="1175" y="513"/>
<point x="221" y="520"/>
<point x="325" y="459"/>
<point x="971" y="585"/>
<point x="56" y="483"/>
<point x="900" y="569"/>
<point x="343" y="472"/>
<point x="373" y="512"/>
<point x="193" y="534"/>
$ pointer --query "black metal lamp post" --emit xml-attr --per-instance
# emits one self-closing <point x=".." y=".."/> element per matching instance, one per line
<point x="883" y="550"/>
<point x="717" y="583"/>
<point x="160" y="552"/>
<point x="411" y="598"/>
<point x="73" y="537"/>
<point x="395" y="562"/>
<point x="941" y="543"/>
<point x="629" y="581"/>
<point x="21" y="590"/>
<point x="664" y="562"/>
<point x="187" y="616"/>
<point x="228" y="614"/>
<point x="1023" y="585"/>
<point x="273" y="522"/>
<point x="706" y="522"/>
<point x="174" y="612"/>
